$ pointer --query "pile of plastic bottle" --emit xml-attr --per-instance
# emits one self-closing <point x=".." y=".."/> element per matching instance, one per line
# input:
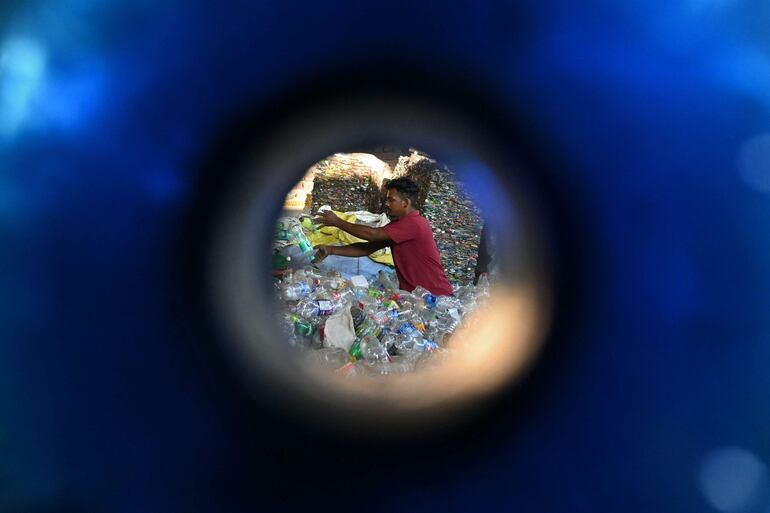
<point x="396" y="332"/>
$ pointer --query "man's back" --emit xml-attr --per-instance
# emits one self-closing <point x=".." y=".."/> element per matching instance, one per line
<point x="417" y="259"/>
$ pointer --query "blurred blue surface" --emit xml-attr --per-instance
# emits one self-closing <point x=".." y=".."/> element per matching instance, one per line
<point x="105" y="111"/>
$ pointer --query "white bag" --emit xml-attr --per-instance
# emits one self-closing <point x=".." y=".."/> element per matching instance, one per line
<point x="339" y="330"/>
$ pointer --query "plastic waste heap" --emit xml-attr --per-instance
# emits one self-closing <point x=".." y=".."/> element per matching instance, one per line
<point x="394" y="331"/>
<point x="375" y="329"/>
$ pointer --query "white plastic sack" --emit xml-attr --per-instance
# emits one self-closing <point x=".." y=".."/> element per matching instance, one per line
<point x="339" y="330"/>
<point x="363" y="217"/>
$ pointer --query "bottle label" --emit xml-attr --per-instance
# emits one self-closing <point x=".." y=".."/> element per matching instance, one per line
<point x="324" y="307"/>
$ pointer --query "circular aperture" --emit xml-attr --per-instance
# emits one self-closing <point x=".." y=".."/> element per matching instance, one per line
<point x="492" y="346"/>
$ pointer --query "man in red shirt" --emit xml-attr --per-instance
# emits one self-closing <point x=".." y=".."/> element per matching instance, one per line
<point x="410" y="238"/>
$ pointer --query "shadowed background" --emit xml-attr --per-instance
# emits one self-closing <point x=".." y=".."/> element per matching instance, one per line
<point x="648" y="127"/>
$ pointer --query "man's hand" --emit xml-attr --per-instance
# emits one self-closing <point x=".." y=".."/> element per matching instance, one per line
<point x="327" y="218"/>
<point x="321" y="253"/>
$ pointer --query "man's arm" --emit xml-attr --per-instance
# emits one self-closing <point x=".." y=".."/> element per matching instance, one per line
<point x="367" y="233"/>
<point x="351" y="250"/>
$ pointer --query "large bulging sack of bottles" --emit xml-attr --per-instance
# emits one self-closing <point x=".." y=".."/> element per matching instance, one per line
<point x="369" y="327"/>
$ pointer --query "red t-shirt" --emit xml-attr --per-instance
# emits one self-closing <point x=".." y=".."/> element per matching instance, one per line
<point x="416" y="256"/>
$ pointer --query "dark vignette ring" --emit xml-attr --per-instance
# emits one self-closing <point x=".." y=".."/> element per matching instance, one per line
<point x="224" y="167"/>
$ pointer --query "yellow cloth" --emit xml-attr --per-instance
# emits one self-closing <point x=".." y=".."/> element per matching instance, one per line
<point x="333" y="236"/>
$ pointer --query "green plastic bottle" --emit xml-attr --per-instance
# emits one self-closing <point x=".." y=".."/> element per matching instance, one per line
<point x="302" y="327"/>
<point x="355" y="350"/>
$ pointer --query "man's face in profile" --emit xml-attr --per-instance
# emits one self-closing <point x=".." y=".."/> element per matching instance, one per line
<point x="396" y="205"/>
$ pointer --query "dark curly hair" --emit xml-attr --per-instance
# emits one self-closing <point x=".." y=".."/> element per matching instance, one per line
<point x="406" y="188"/>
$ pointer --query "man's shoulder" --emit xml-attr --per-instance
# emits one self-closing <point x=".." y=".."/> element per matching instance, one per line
<point x="419" y="219"/>
<point x="415" y="220"/>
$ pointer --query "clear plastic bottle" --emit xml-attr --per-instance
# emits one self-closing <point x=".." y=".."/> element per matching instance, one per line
<point x="389" y="340"/>
<point x="414" y="319"/>
<point x="440" y="337"/>
<point x="407" y="315"/>
<point x="312" y="307"/>
<point x="307" y="308"/>
<point x="386" y="281"/>
<point x="372" y="350"/>
<point x="369" y="303"/>
<point x="295" y="291"/>
<point x="332" y="282"/>
<point x="445" y="303"/>
<point x="427" y="316"/>
<point x="447" y="323"/>
<point x="337" y="301"/>
<point x="383" y="318"/>
<point x="423" y="344"/>
<point x="427" y="299"/>
<point x="346" y="295"/>
<point x="298" y="236"/>
<point x="407" y="341"/>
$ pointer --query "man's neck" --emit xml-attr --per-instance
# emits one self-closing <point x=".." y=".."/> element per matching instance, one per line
<point x="407" y="213"/>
